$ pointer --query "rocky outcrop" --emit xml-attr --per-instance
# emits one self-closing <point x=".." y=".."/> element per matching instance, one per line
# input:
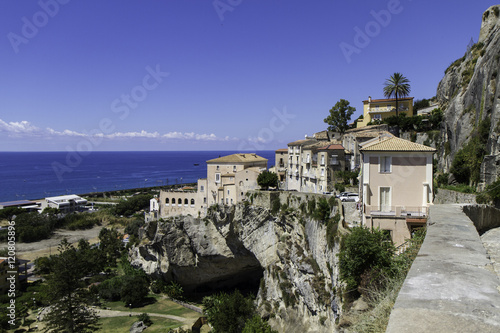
<point x="286" y="256"/>
<point x="469" y="94"/>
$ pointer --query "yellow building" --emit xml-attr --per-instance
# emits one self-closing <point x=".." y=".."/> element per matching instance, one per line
<point x="380" y="109"/>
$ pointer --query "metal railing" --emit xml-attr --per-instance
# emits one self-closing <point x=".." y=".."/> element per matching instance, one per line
<point x="397" y="211"/>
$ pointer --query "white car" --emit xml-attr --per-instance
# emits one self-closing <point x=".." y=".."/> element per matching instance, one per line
<point x="344" y="197"/>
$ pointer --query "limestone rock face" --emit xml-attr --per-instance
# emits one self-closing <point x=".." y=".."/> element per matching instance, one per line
<point x="469" y="93"/>
<point x="285" y="256"/>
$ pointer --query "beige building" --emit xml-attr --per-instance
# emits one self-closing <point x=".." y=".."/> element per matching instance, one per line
<point x="397" y="185"/>
<point x="281" y="165"/>
<point x="312" y="164"/>
<point x="354" y="137"/>
<point x="380" y="109"/>
<point x="228" y="180"/>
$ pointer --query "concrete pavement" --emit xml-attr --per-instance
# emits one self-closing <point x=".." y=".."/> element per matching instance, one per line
<point x="451" y="286"/>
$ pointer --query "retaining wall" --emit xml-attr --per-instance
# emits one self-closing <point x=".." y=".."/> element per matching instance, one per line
<point x="449" y="197"/>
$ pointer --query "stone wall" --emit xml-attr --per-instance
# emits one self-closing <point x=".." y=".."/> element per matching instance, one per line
<point x="291" y="198"/>
<point x="448" y="196"/>
<point x="351" y="213"/>
<point x="484" y="217"/>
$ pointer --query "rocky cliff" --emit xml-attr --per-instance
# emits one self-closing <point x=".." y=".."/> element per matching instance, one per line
<point x="468" y="94"/>
<point x="285" y="256"/>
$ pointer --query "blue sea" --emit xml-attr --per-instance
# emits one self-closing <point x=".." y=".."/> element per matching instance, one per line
<point x="36" y="175"/>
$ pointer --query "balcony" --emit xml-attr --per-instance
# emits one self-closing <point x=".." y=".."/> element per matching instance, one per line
<point x="409" y="212"/>
<point x="387" y="109"/>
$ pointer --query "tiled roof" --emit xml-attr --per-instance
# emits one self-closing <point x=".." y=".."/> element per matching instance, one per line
<point x="388" y="100"/>
<point x="238" y="158"/>
<point x="396" y="144"/>
<point x="282" y="150"/>
<point x="332" y="147"/>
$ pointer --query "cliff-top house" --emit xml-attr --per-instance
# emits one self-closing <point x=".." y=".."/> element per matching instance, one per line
<point x="396" y="185"/>
<point x="380" y="109"/>
<point x="228" y="180"/>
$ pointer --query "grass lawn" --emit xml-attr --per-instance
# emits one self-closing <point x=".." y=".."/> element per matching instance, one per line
<point x="162" y="306"/>
<point x="123" y="324"/>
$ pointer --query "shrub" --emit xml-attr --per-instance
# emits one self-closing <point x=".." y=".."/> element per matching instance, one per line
<point x="322" y="211"/>
<point x="340" y="187"/>
<point x="275" y="205"/>
<point x="267" y="179"/>
<point x="228" y="313"/>
<point x="144" y="317"/>
<point x="361" y="251"/>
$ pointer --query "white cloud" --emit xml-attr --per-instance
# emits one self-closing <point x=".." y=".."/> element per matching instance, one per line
<point x="26" y="129"/>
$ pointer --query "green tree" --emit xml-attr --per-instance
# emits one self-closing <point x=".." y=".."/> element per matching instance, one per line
<point x="362" y="250"/>
<point x="110" y="245"/>
<point x="68" y="297"/>
<point x="267" y="179"/>
<point x="397" y="86"/>
<point x="339" y="117"/>
<point x="228" y="313"/>
<point x="257" y="325"/>
<point x="134" y="290"/>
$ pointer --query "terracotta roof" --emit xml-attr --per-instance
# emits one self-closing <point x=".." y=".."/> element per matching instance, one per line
<point x="332" y="147"/>
<point x="238" y="158"/>
<point x="282" y="150"/>
<point x="396" y="144"/>
<point x="388" y="100"/>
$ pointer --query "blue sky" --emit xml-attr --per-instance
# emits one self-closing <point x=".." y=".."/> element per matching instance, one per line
<point x="210" y="75"/>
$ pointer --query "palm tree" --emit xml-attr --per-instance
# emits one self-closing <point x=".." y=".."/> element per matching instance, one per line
<point x="397" y="86"/>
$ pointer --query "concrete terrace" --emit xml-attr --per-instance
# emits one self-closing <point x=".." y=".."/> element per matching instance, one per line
<point x="451" y="286"/>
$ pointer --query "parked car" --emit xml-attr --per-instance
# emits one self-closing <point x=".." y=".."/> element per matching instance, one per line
<point x="353" y="197"/>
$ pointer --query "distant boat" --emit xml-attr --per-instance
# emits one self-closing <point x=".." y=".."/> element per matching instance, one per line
<point x="196" y="164"/>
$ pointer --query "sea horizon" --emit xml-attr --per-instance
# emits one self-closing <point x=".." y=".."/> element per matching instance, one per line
<point x="36" y="175"/>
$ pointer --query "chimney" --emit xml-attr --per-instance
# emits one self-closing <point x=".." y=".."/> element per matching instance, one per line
<point x="369" y="99"/>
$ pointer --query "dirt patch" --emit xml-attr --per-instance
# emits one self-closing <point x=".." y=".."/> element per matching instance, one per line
<point x="46" y="247"/>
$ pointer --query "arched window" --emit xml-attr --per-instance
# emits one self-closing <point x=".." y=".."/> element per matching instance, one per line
<point x="192" y="202"/>
<point x="167" y="201"/>
<point x="186" y="201"/>
<point x="179" y="201"/>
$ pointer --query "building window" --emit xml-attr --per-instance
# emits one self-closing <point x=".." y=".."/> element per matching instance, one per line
<point x="217" y="167"/>
<point x="241" y="183"/>
<point x="227" y="192"/>
<point x="322" y="172"/>
<point x="234" y="168"/>
<point x="322" y="159"/>
<point x="385" y="164"/>
<point x="202" y="188"/>
<point x="377" y="117"/>
<point x="217" y="177"/>
<point x="205" y="200"/>
<point x="179" y="201"/>
<point x="192" y="202"/>
<point x="186" y="201"/>
<point x="385" y="199"/>
<point x="167" y="201"/>
<point x="227" y="201"/>
<point x="231" y="201"/>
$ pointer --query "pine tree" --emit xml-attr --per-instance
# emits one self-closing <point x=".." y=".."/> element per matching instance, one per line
<point x="69" y="311"/>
